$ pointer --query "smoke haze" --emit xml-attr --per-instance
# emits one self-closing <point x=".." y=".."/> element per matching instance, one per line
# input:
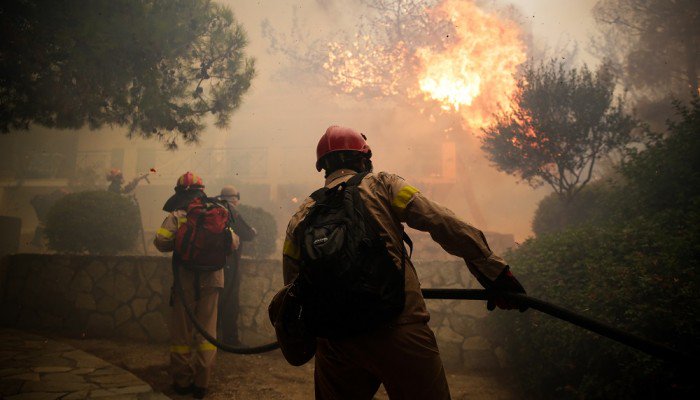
<point x="270" y="142"/>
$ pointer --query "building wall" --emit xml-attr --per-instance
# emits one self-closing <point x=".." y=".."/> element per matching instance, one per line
<point x="127" y="297"/>
<point x="39" y="162"/>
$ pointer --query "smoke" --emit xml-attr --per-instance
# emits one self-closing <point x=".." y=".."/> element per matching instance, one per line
<point x="268" y="151"/>
<point x="403" y="136"/>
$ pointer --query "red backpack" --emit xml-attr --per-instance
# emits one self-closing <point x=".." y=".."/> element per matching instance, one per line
<point x="204" y="241"/>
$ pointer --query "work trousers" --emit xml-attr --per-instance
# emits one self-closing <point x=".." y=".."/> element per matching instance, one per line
<point x="405" y="358"/>
<point x="228" y="302"/>
<point x="191" y="356"/>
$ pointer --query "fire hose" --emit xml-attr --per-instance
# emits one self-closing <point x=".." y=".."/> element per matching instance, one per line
<point x="652" y="348"/>
<point x="209" y="337"/>
<point x="647" y="346"/>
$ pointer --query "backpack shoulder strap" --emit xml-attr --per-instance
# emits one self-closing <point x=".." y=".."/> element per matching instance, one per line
<point x="356" y="179"/>
<point x="319" y="194"/>
<point x="215" y="201"/>
<point x="409" y="242"/>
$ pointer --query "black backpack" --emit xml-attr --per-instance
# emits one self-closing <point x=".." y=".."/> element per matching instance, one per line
<point x="348" y="283"/>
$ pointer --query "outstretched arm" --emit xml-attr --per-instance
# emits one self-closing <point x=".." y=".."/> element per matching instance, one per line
<point x="457" y="237"/>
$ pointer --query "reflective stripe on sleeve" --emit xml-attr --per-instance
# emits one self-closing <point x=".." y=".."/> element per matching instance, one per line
<point x="165" y="233"/>
<point x="291" y="250"/>
<point x="180" y="349"/>
<point x="402" y="198"/>
<point x="181" y="221"/>
<point x="206" y="346"/>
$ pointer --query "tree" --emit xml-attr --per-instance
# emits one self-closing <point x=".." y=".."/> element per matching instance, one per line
<point x="373" y="60"/>
<point x="637" y="239"/>
<point x="158" y="67"/>
<point x="563" y="123"/>
<point x="656" y="48"/>
<point x="666" y="177"/>
<point x="434" y="55"/>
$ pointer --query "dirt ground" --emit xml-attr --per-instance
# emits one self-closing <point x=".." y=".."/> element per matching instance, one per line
<point x="260" y="377"/>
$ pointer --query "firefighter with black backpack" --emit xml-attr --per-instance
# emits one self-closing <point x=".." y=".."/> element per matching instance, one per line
<point x="198" y="232"/>
<point x="352" y="295"/>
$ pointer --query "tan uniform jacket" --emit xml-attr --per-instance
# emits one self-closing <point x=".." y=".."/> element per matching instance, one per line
<point x="165" y="242"/>
<point x="391" y="201"/>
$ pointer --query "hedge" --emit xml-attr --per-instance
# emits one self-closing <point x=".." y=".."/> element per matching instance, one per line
<point x="94" y="222"/>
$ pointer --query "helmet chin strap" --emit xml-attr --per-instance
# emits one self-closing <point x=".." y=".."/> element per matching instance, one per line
<point x="360" y="163"/>
<point x="368" y="167"/>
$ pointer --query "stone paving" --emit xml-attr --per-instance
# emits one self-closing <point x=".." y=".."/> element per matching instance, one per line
<point x="36" y="368"/>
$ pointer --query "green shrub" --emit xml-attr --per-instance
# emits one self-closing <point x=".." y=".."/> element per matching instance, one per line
<point x="264" y="243"/>
<point x="667" y="175"/>
<point x="641" y="278"/>
<point x="631" y="259"/>
<point x="593" y="204"/>
<point x="96" y="222"/>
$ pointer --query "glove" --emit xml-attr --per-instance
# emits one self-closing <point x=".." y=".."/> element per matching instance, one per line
<point x="505" y="282"/>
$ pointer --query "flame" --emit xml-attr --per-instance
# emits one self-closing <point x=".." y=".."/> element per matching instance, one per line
<point x="365" y="68"/>
<point x="473" y="73"/>
<point x="470" y="71"/>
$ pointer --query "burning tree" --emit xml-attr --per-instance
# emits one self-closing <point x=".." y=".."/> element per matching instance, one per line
<point x="563" y="123"/>
<point x="378" y="60"/>
<point x="448" y="54"/>
<point x="451" y="60"/>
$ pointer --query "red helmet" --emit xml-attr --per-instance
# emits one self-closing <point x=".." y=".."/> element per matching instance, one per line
<point x="113" y="174"/>
<point x="338" y="138"/>
<point x="188" y="181"/>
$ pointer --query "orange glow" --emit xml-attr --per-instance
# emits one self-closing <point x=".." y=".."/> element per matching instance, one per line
<point x="474" y="73"/>
<point x="469" y="72"/>
<point x="364" y="68"/>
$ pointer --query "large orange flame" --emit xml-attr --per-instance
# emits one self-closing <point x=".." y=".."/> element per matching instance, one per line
<point x="474" y="73"/>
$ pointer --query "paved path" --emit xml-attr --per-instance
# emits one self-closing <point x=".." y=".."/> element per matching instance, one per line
<point x="36" y="368"/>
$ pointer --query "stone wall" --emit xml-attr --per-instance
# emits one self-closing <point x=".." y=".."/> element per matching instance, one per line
<point x="124" y="296"/>
<point x="457" y="324"/>
<point x="87" y="296"/>
<point x="128" y="297"/>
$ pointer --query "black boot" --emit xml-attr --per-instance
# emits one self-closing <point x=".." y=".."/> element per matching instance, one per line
<point x="182" y="390"/>
<point x="198" y="392"/>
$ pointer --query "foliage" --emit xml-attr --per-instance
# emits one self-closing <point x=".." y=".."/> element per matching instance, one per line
<point x="653" y="45"/>
<point x="565" y="121"/>
<point x="667" y="176"/>
<point x="96" y="222"/>
<point x="156" y="66"/>
<point x="589" y="206"/>
<point x="640" y="277"/>
<point x="264" y="243"/>
<point x="380" y="56"/>
<point x="658" y="42"/>
<point x="86" y="178"/>
<point x="634" y="264"/>
<point x="371" y="61"/>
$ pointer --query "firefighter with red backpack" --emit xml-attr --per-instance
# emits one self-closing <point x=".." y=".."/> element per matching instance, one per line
<point x="353" y="297"/>
<point x="197" y="231"/>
